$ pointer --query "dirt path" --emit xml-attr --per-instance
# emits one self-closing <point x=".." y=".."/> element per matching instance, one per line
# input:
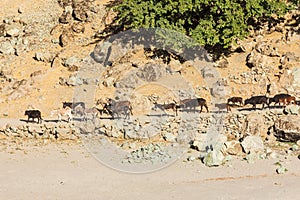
<point x="60" y="171"/>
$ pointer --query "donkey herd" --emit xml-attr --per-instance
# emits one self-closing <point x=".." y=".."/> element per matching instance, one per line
<point x="117" y="108"/>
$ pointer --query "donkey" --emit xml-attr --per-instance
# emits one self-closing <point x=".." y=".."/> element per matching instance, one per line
<point x="67" y="111"/>
<point x="117" y="107"/>
<point x="191" y="104"/>
<point x="33" y="114"/>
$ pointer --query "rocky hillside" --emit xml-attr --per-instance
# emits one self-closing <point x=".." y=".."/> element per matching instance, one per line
<point x="43" y="48"/>
<point x="51" y="53"/>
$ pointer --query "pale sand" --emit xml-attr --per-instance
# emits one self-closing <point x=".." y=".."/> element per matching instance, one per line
<point x="61" y="171"/>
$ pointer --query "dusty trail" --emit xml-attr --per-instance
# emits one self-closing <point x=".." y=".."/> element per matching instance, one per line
<point x="59" y="171"/>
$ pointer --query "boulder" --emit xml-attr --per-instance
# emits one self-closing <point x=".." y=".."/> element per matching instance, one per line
<point x="255" y="125"/>
<point x="78" y="27"/>
<point x="65" y="18"/>
<point x="222" y="63"/>
<point x="151" y="72"/>
<point x="108" y="52"/>
<point x="292" y="109"/>
<point x="44" y="57"/>
<point x="209" y="72"/>
<point x="6" y="48"/>
<point x="233" y="148"/>
<point x="129" y="81"/>
<point x="287" y="128"/>
<point x="252" y="144"/>
<point x="74" y="81"/>
<point x="266" y="49"/>
<point x="214" y="158"/>
<point x="296" y="76"/>
<point x="2" y="30"/>
<point x="13" y="31"/>
<point x="169" y="137"/>
<point x="71" y="61"/>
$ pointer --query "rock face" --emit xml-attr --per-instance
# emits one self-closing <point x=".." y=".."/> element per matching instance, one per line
<point x="287" y="128"/>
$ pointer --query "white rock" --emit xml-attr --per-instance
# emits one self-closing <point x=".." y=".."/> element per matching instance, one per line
<point x="69" y="9"/>
<point x="13" y="31"/>
<point x="214" y="158"/>
<point x="6" y="48"/>
<point x="296" y="75"/>
<point x="281" y="170"/>
<point x="20" y="10"/>
<point x="292" y="109"/>
<point x="71" y="61"/>
<point x="252" y="144"/>
<point x="169" y="137"/>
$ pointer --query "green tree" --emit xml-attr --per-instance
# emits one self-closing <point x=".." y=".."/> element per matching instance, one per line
<point x="212" y="23"/>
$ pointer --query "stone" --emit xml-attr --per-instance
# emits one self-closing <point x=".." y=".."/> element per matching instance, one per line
<point x="117" y="134"/>
<point x="252" y="144"/>
<point x="220" y="90"/>
<point x="109" y="82"/>
<point x="255" y="59"/>
<point x="222" y="63"/>
<point x="266" y="49"/>
<point x="6" y="48"/>
<point x="109" y="52"/>
<point x="287" y="128"/>
<point x="233" y="147"/>
<point x="74" y="81"/>
<point x="80" y="14"/>
<point x="191" y="158"/>
<point x="214" y="158"/>
<point x="198" y="145"/>
<point x="71" y="61"/>
<point x="169" y="137"/>
<point x="12" y="31"/>
<point x="130" y="134"/>
<point x="65" y="38"/>
<point x="69" y="9"/>
<point x="255" y="125"/>
<point x="295" y="147"/>
<point x="174" y="66"/>
<point x="151" y="72"/>
<point x="281" y="170"/>
<point x="296" y="76"/>
<point x="65" y="18"/>
<point x="292" y="109"/>
<point x="44" y="57"/>
<point x="252" y="157"/>
<point x="2" y="30"/>
<point x="209" y="72"/>
<point x="129" y="81"/>
<point x="20" y="10"/>
<point x="78" y="27"/>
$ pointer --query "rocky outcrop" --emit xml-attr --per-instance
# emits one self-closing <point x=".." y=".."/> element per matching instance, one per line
<point x="287" y="128"/>
<point x="52" y="132"/>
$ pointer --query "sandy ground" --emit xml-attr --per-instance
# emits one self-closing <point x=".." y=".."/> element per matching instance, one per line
<point x="61" y="171"/>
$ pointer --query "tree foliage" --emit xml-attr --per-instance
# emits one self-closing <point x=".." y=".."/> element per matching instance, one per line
<point x="209" y="22"/>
